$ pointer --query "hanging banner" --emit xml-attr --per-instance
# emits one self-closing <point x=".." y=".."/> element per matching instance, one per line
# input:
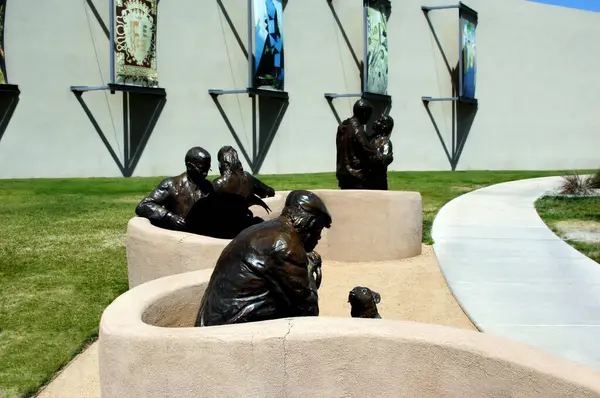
<point x="376" y="40"/>
<point x="268" y="66"/>
<point x="135" y="42"/>
<point x="468" y="54"/>
<point x="2" y="58"/>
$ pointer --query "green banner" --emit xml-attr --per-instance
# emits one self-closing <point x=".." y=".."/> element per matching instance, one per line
<point x="378" y="13"/>
<point x="135" y="42"/>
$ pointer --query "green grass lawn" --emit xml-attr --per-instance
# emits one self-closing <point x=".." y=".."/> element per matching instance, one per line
<point x="562" y="210"/>
<point x="62" y="258"/>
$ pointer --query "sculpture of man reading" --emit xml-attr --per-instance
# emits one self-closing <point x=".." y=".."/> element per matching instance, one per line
<point x="168" y="205"/>
<point x="270" y="270"/>
<point x="355" y="153"/>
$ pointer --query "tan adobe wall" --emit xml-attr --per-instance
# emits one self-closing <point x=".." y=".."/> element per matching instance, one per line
<point x="303" y="357"/>
<point x="367" y="226"/>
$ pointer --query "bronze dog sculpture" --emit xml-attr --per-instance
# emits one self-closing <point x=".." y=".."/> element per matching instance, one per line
<point x="364" y="303"/>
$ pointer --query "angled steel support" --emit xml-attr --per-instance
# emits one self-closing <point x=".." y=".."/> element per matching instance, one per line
<point x="9" y="98"/>
<point x="142" y="107"/>
<point x="262" y="100"/>
<point x="382" y="103"/>
<point x="463" y="109"/>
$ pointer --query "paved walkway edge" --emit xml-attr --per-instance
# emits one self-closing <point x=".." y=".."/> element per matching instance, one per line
<point x="513" y="276"/>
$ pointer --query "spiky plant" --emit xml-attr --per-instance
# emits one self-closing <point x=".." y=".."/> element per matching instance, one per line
<point x="574" y="184"/>
<point x="593" y="181"/>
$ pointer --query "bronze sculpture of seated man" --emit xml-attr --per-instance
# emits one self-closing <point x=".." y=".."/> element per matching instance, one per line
<point x="270" y="270"/>
<point x="355" y="153"/>
<point x="169" y="204"/>
<point x="226" y="212"/>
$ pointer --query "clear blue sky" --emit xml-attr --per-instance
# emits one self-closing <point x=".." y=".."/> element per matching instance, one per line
<point x="587" y="5"/>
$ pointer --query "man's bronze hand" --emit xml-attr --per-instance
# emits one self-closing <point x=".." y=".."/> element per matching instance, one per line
<point x="356" y="173"/>
<point x="177" y="222"/>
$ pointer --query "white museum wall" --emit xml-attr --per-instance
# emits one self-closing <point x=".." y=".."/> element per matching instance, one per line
<point x="537" y="85"/>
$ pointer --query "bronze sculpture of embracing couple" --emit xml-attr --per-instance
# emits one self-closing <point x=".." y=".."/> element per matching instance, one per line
<point x="362" y="161"/>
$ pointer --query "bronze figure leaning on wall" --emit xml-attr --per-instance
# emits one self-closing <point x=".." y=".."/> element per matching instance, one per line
<point x="171" y="201"/>
<point x="269" y="270"/>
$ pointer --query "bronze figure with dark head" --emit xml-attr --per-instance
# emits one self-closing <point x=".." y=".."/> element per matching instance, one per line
<point x="225" y="213"/>
<point x="235" y="180"/>
<point x="169" y="203"/>
<point x="377" y="174"/>
<point x="270" y="270"/>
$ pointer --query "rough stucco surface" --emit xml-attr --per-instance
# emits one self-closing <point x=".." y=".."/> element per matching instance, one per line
<point x="324" y="357"/>
<point x="367" y="226"/>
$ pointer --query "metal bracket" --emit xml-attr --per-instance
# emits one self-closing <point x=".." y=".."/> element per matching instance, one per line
<point x="9" y="98"/>
<point x="137" y="128"/>
<point x="331" y="96"/>
<point x="259" y="151"/>
<point x="258" y="154"/>
<point x="362" y="66"/>
<point x="463" y="109"/>
<point x="122" y="88"/>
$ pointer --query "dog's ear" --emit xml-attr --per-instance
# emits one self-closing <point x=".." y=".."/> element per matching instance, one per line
<point x="376" y="297"/>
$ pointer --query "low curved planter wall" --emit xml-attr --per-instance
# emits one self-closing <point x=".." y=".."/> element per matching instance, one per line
<point x="367" y="226"/>
<point x="146" y="349"/>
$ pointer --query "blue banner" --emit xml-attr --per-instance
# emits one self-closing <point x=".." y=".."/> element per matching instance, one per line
<point x="268" y="66"/>
<point x="469" y="57"/>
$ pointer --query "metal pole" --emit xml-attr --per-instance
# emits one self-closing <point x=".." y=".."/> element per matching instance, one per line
<point x="365" y="49"/>
<point x="460" y="55"/>
<point x="112" y="40"/>
<point x="250" y="51"/>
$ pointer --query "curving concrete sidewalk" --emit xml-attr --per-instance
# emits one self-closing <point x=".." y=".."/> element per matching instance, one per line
<point x="513" y="276"/>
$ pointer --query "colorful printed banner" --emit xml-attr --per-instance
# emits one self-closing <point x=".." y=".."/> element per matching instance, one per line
<point x="135" y="40"/>
<point x="268" y="66"/>
<point x="378" y="13"/>
<point x="2" y="58"/>
<point x="469" y="57"/>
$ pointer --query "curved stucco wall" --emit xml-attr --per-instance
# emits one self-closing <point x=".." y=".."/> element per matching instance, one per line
<point x="367" y="226"/>
<point x="526" y="68"/>
<point x="147" y="349"/>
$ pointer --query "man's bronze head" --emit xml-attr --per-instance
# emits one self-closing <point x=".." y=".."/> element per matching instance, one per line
<point x="228" y="159"/>
<point x="383" y="126"/>
<point x="309" y="215"/>
<point x="362" y="110"/>
<point x="197" y="163"/>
